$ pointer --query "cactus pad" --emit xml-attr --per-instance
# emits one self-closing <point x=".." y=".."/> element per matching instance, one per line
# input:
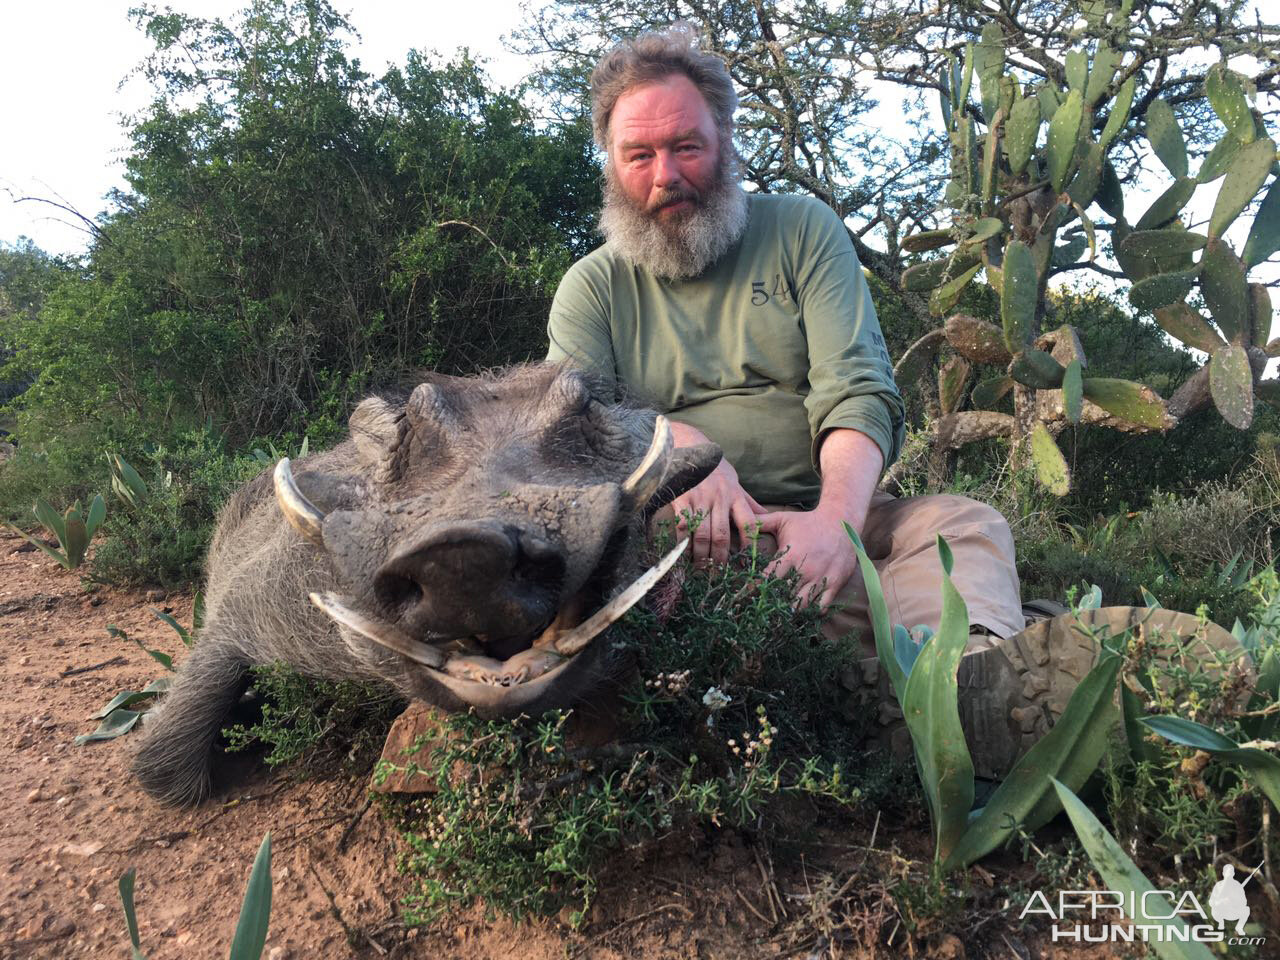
<point x="1231" y="385"/>
<point x="991" y="391"/>
<point x="1183" y="323"/>
<point x="1064" y="131"/>
<point x="1168" y="205"/>
<point x="1166" y="137"/>
<point x="1072" y="392"/>
<point x="1036" y="369"/>
<point x="1021" y="131"/>
<point x="1227" y="98"/>
<point x="1226" y="292"/>
<point x="1051" y="466"/>
<point x="951" y="381"/>
<point x="1243" y="180"/>
<point x="1162" y="290"/>
<point x="977" y="340"/>
<point x="1134" y="403"/>
<point x="1018" y="294"/>
<point x="1264" y="235"/>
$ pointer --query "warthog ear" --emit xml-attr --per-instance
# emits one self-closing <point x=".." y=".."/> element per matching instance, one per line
<point x="689" y="467"/>
<point x="378" y="429"/>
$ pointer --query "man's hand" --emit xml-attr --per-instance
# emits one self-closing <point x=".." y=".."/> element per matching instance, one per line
<point x="814" y="543"/>
<point x="719" y="498"/>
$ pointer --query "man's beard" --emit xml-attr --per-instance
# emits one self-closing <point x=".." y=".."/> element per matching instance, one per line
<point x="686" y="243"/>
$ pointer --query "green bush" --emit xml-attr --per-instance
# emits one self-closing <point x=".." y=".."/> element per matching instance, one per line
<point x="164" y="540"/>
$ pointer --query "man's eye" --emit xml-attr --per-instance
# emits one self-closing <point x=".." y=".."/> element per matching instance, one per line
<point x="688" y="148"/>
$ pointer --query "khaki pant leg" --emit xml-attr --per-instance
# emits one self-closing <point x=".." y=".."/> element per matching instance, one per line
<point x="900" y="537"/>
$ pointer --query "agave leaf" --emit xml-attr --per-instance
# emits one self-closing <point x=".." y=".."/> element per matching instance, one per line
<point x="1072" y="392"/>
<point x="1167" y="205"/>
<point x="948" y="295"/>
<point x="1219" y="159"/>
<point x="1162" y="290"/>
<point x="878" y="613"/>
<point x="1231" y="385"/>
<point x="1119" y="114"/>
<point x="97" y="513"/>
<point x="1264" y="235"/>
<point x="1185" y="324"/>
<point x="1021" y="132"/>
<point x="128" y="698"/>
<point x="1226" y="292"/>
<point x="991" y="391"/>
<point x="1120" y="873"/>
<point x="117" y="723"/>
<point x="1263" y="767"/>
<point x="951" y="381"/>
<point x="1131" y="708"/>
<point x="1064" y="133"/>
<point x="931" y="709"/>
<point x="1132" y="402"/>
<point x="1154" y="243"/>
<point x="77" y="537"/>
<point x="1228" y="101"/>
<point x="1241" y="184"/>
<point x="1051" y="466"/>
<point x="130" y="914"/>
<point x="1166" y="137"/>
<point x="1018" y="295"/>
<point x="1036" y="369"/>
<point x="51" y="520"/>
<point x="41" y="545"/>
<point x="255" y="912"/>
<point x="1070" y="752"/>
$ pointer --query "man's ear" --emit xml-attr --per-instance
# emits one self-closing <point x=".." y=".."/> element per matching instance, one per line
<point x="689" y="467"/>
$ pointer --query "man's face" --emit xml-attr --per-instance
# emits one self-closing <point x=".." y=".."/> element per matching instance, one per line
<point x="664" y="146"/>
<point x="672" y="201"/>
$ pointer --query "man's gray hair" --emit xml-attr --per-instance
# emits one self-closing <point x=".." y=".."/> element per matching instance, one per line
<point x="654" y="56"/>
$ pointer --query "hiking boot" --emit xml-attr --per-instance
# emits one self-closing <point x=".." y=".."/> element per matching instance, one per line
<point x="1013" y="689"/>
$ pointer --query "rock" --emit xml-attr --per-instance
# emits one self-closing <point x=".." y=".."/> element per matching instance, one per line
<point x="419" y="720"/>
<point x="82" y="849"/>
<point x="99" y="907"/>
<point x="278" y="953"/>
<point x="948" y="947"/>
<point x="35" y="796"/>
<point x="155" y="596"/>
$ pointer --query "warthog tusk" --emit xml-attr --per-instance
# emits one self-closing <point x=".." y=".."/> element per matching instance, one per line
<point x="577" y="639"/>
<point x="646" y="478"/>
<point x="303" y="515"/>
<point x="383" y="634"/>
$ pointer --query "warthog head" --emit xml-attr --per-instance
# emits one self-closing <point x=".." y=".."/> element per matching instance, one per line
<point x="489" y="534"/>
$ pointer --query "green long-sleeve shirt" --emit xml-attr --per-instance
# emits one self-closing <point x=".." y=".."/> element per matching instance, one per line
<point x="772" y="345"/>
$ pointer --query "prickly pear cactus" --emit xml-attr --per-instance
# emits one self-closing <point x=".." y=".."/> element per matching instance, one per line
<point x="1029" y="173"/>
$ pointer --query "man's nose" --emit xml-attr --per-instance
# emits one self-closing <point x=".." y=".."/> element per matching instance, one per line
<point x="665" y="171"/>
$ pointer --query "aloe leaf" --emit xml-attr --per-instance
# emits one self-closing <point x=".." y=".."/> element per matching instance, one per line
<point x="1219" y="159"/>
<point x="41" y="545"/>
<point x="1167" y="205"/>
<point x="905" y="647"/>
<point x="1228" y="101"/>
<point x="1166" y="137"/>
<point x="163" y="659"/>
<point x="932" y="713"/>
<point x="1119" y="114"/>
<point x="1264" y="235"/>
<point x="51" y="520"/>
<point x="255" y="913"/>
<point x="1120" y="873"/>
<point x="1132" y="402"/>
<point x="1162" y="290"/>
<point x="951" y="381"/>
<point x="1051" y="466"/>
<point x="1241" y="184"/>
<point x="1262" y="766"/>
<point x="991" y="391"/>
<point x="77" y="541"/>
<point x="116" y="724"/>
<point x="97" y="513"/>
<point x="1231" y="385"/>
<point x="1072" y="392"/>
<point x="1064" y="132"/>
<point x="173" y="624"/>
<point x="1226" y="292"/>
<point x="1185" y="324"/>
<point x="878" y="611"/>
<point x="128" y="698"/>
<point x="1152" y="243"/>
<point x="1069" y="752"/>
<point x="1018" y="295"/>
<point x="1134" y="734"/>
<point x="1021" y="131"/>
<point x="127" y="880"/>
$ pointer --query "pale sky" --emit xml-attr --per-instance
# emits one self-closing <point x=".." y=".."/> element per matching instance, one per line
<point x="62" y="63"/>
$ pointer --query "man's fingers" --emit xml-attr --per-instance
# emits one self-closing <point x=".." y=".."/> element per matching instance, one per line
<point x="719" y="524"/>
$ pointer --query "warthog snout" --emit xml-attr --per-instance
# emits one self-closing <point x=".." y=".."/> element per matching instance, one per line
<point x="434" y="584"/>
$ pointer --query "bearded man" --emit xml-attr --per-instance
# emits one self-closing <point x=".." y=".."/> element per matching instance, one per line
<point x="746" y="318"/>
